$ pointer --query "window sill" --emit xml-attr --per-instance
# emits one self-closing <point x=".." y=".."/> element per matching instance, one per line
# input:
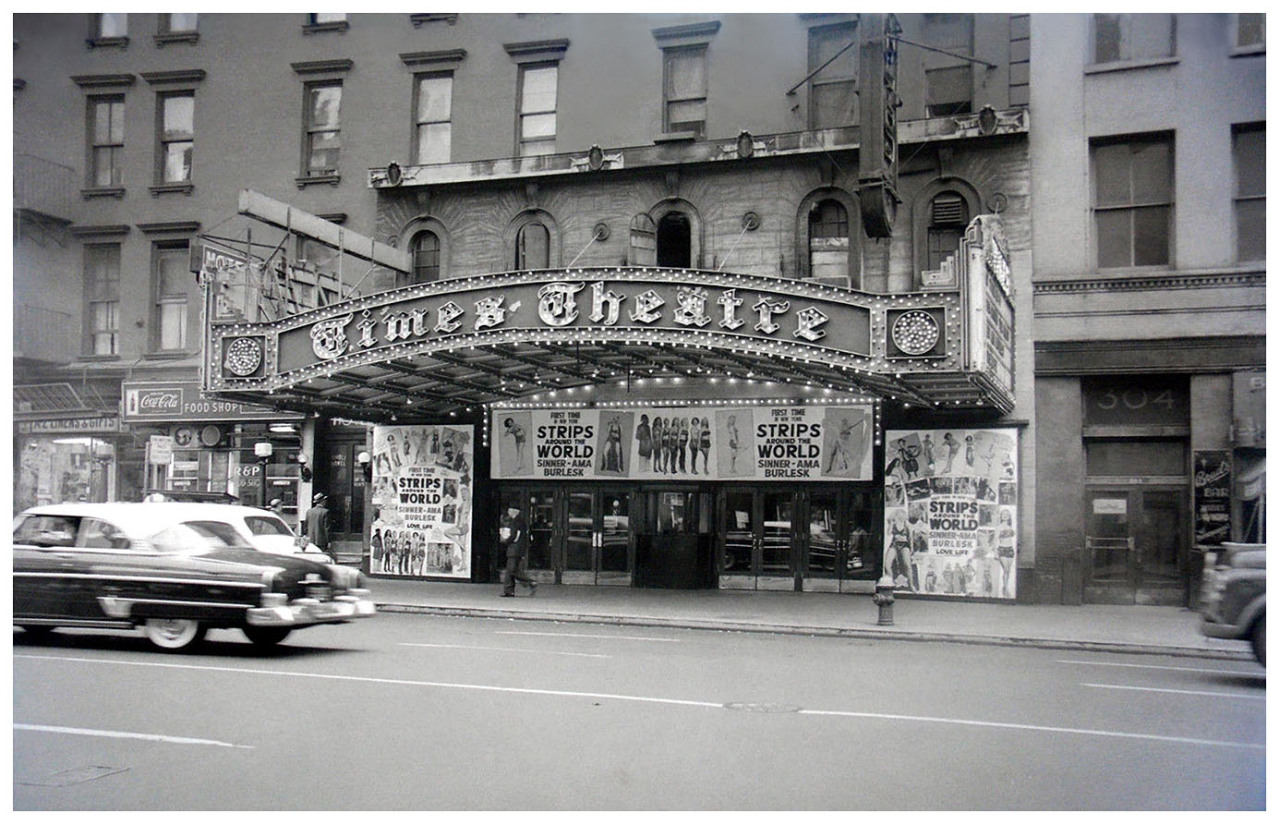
<point x="107" y="42"/>
<point x="339" y="26"/>
<point x="102" y="192"/>
<point x="99" y="358"/>
<point x="172" y="188"/>
<point x="167" y="355"/>
<point x="676" y="137"/>
<point x="163" y="40"/>
<point x="1128" y="65"/>
<point x="1259" y="50"/>
<point x="304" y="181"/>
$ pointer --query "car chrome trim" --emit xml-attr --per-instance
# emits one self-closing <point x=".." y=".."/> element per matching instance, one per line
<point x="157" y="579"/>
<point x="122" y="608"/>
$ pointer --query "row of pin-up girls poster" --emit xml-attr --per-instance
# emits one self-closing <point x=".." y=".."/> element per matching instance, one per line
<point x="950" y="512"/>
<point x="422" y="494"/>
<point x="713" y="443"/>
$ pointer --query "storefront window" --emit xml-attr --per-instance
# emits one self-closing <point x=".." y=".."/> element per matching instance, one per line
<point x="56" y="470"/>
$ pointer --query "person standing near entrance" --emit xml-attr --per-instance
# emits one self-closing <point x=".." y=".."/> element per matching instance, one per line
<point x="316" y="523"/>
<point x="515" y="534"/>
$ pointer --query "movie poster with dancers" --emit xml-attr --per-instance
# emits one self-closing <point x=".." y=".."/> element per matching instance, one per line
<point x="422" y="499"/>
<point x="809" y="443"/>
<point x="951" y="512"/>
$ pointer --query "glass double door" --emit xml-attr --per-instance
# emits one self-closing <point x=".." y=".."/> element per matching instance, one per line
<point x="783" y="538"/>
<point x="577" y="535"/>
<point x="1136" y="546"/>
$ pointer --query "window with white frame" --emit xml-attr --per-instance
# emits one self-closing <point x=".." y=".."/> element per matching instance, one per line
<point x="1249" y="151"/>
<point x="433" y="112"/>
<point x="178" y="23"/>
<point x="102" y="290"/>
<point x="106" y="141"/>
<point x="1132" y="37"/>
<point x="684" y="98"/>
<point x="1251" y="30"/>
<point x="171" y="276"/>
<point x="538" y="108"/>
<point x="323" y="142"/>
<point x="948" y="219"/>
<point x="1133" y="200"/>
<point x="111" y="26"/>
<point x="833" y="95"/>
<point x="829" y="241"/>
<point x="176" y="113"/>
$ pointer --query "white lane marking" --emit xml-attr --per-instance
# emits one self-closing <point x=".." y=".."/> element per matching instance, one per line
<point x="511" y="650"/>
<point x="585" y="636"/>
<point x="1158" y="667"/>
<point x="1182" y="740"/>
<point x="383" y="681"/>
<point x="653" y="700"/>
<point x="1172" y="690"/>
<point x="120" y="734"/>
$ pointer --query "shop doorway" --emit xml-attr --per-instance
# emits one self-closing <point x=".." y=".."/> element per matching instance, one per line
<point x="1136" y="545"/>
<point x="674" y="535"/>
<point x="805" y="538"/>
<point x="342" y="480"/>
<point x="577" y="535"/>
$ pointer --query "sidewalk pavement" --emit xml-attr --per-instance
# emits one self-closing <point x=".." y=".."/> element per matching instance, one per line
<point x="1115" y="628"/>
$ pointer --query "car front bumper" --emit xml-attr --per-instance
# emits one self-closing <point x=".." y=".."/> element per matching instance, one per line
<point x="302" y="612"/>
<point x="1219" y="630"/>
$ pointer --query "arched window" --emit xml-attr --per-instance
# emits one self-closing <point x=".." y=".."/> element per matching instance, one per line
<point x="948" y="218"/>
<point x="829" y="242"/>
<point x="644" y="244"/>
<point x="675" y="241"/>
<point x="425" y="248"/>
<point x="533" y="247"/>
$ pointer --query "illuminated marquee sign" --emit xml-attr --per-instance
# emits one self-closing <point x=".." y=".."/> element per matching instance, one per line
<point x="750" y="310"/>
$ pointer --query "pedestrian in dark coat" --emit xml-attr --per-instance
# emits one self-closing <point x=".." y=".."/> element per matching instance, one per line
<point x="316" y="523"/>
<point x="514" y="533"/>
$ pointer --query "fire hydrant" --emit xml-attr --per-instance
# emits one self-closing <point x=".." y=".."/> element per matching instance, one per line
<point x="884" y="598"/>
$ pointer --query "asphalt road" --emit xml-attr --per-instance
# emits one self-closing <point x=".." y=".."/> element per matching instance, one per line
<point x="406" y="712"/>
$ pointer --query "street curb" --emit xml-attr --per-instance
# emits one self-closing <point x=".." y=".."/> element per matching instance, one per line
<point x="816" y="630"/>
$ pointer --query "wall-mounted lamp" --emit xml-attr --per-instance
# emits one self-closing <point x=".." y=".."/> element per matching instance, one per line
<point x="306" y="470"/>
<point x="366" y="464"/>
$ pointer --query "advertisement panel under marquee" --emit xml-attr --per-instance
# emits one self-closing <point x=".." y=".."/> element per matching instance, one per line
<point x="783" y="443"/>
<point x="423" y="488"/>
<point x="950" y="512"/>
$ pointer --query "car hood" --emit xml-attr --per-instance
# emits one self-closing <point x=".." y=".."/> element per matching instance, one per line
<point x="252" y="557"/>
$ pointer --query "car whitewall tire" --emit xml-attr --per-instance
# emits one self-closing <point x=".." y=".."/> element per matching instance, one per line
<point x="174" y="634"/>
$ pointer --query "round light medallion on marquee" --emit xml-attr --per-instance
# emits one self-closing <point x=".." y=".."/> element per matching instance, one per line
<point x="915" y="332"/>
<point x="244" y="356"/>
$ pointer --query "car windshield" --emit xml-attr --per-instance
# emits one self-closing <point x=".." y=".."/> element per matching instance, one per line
<point x="195" y="537"/>
<point x="46" y="531"/>
<point x="267" y="526"/>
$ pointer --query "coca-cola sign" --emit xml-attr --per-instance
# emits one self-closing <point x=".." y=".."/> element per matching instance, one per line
<point x="171" y="402"/>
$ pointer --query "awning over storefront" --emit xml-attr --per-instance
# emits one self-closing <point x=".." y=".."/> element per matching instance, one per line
<point x="448" y="346"/>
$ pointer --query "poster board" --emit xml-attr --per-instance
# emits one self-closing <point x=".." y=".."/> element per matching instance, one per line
<point x="423" y="488"/>
<point x="950" y="512"/>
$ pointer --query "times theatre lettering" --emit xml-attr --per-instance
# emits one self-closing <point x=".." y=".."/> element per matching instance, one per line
<point x="561" y="304"/>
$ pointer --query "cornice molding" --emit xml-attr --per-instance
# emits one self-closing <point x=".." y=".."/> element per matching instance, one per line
<point x="180" y="76"/>
<point x="535" y="50"/>
<point x="1157" y="283"/>
<point x="169" y="226"/>
<point x="447" y="58"/>
<point x="99" y="230"/>
<point x="102" y="81"/>
<point x="323" y="66"/>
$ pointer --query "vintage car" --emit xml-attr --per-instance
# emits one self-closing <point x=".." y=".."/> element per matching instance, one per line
<point x="262" y="529"/>
<point x="1234" y="596"/>
<point x="171" y="571"/>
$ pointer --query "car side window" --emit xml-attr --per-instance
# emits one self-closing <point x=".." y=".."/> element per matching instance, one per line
<point x="223" y="532"/>
<point x="46" y="531"/>
<point x="267" y="526"/>
<point x="100" y="534"/>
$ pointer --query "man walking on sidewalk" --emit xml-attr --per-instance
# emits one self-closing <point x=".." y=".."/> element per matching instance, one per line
<point x="515" y="533"/>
